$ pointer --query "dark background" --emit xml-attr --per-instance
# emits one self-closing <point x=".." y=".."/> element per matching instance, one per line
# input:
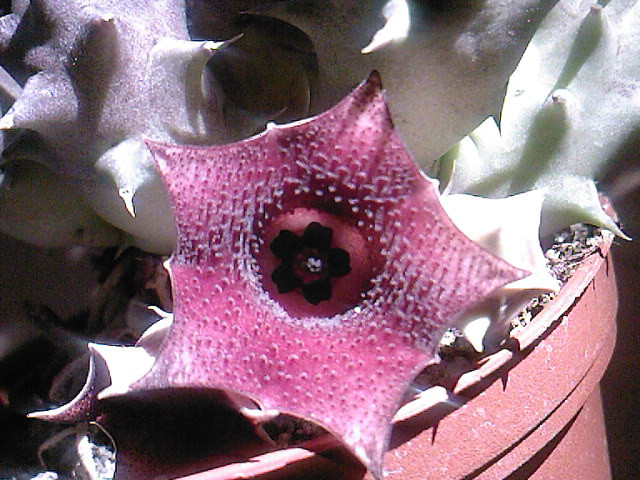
<point x="621" y="383"/>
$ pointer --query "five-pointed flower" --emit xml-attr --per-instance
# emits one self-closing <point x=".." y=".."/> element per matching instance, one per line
<point x="346" y="361"/>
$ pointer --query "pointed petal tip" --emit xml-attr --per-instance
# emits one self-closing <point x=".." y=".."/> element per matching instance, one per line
<point x="364" y="107"/>
<point x="152" y="144"/>
<point x="83" y="406"/>
<point x="373" y="463"/>
<point x="159" y="154"/>
<point x="49" y="415"/>
<point x="374" y="81"/>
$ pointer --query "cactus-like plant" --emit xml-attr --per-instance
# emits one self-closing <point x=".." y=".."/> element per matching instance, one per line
<point x="102" y="76"/>
<point x="315" y="266"/>
<point x="571" y="103"/>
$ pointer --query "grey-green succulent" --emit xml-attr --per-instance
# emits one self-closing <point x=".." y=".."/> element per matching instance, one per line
<point x="570" y="106"/>
<point x="92" y="79"/>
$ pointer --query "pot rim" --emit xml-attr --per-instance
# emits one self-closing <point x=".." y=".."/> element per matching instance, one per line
<point x="524" y="338"/>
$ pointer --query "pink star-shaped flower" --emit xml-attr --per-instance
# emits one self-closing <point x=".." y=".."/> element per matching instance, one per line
<point x="315" y="273"/>
<point x="344" y="362"/>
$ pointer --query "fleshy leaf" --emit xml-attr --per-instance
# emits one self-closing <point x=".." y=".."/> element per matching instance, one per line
<point x="508" y="228"/>
<point x="112" y="370"/>
<point x="105" y="74"/>
<point x="413" y="272"/>
<point x="265" y="74"/>
<point x="570" y="105"/>
<point x="84" y="406"/>
<point x="127" y="189"/>
<point x="37" y="206"/>
<point x="444" y="65"/>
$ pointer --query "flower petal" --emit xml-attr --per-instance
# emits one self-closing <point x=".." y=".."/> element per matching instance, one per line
<point x="317" y="236"/>
<point x="285" y="244"/>
<point x="233" y="333"/>
<point x="339" y="262"/>
<point x="285" y="279"/>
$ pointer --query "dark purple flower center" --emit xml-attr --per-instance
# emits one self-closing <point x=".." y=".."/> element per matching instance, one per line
<point x="308" y="262"/>
<point x="315" y="263"/>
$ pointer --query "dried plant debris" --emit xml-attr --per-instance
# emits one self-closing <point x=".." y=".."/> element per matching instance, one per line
<point x="51" y="368"/>
<point x="129" y="281"/>
<point x="569" y="248"/>
<point x="286" y="430"/>
<point x="20" y="439"/>
<point x="83" y="452"/>
<point x="35" y="475"/>
<point x="56" y="452"/>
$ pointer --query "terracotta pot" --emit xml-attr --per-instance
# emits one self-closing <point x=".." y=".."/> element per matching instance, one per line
<point x="529" y="411"/>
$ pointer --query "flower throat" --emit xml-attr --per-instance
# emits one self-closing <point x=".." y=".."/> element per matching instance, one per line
<point x="308" y="262"/>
